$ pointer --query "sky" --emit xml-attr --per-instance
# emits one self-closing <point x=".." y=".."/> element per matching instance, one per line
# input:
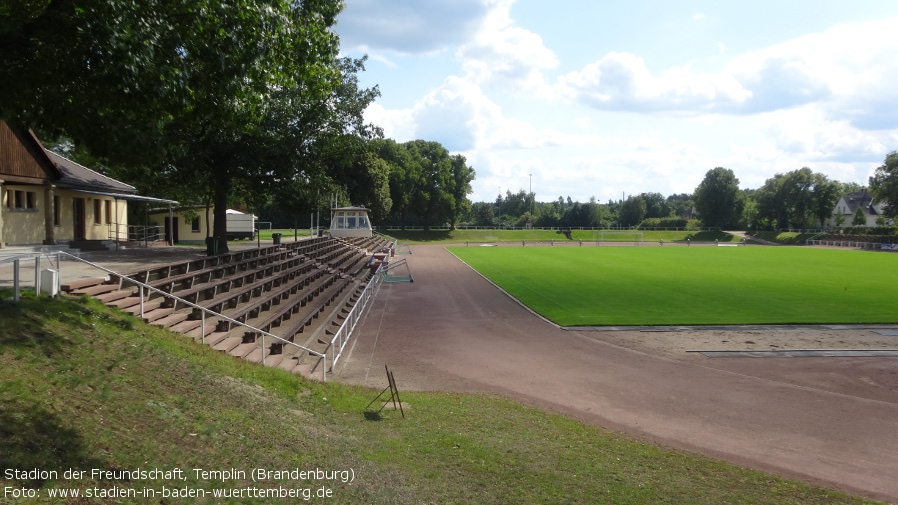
<point x="594" y="98"/>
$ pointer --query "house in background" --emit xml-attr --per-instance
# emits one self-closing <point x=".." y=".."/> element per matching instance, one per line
<point x="848" y="205"/>
<point x="190" y="224"/>
<point x="48" y="199"/>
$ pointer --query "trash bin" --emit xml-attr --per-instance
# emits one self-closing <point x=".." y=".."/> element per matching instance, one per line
<point x="211" y="246"/>
<point x="320" y="232"/>
<point x="276" y="238"/>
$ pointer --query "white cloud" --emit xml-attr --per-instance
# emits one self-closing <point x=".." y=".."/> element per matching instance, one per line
<point x="849" y="69"/>
<point x="621" y="81"/>
<point x="505" y="55"/>
<point x="698" y="16"/>
<point x="408" y="27"/>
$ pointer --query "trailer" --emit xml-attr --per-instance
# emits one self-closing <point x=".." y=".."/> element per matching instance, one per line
<point x="240" y="226"/>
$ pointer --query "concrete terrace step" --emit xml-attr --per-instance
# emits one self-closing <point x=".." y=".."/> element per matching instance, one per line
<point x="112" y="296"/>
<point x="228" y="343"/>
<point x="242" y="349"/>
<point x="170" y="320"/>
<point x="96" y="290"/>
<point x="187" y="326"/>
<point x="150" y="316"/>
<point x="134" y="309"/>
<point x="68" y="287"/>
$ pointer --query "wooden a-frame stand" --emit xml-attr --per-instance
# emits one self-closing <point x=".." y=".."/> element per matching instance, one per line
<point x="394" y="394"/>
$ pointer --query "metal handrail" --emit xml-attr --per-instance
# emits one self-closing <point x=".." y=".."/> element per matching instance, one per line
<point x="204" y="310"/>
<point x="339" y="341"/>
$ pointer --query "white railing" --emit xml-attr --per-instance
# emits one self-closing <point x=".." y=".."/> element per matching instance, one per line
<point x="16" y="272"/>
<point x="204" y="312"/>
<point x="342" y="336"/>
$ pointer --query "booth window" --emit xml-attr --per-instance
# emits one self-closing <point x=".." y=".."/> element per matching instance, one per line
<point x="56" y="218"/>
<point x="108" y="211"/>
<point x="195" y="225"/>
<point x="98" y="212"/>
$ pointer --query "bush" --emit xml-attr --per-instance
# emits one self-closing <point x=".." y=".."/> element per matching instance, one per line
<point x="868" y="230"/>
<point x="662" y="222"/>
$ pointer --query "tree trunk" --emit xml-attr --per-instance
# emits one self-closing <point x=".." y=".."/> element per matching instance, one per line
<point x="222" y="186"/>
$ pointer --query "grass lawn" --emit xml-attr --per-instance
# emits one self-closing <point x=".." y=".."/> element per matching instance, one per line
<point x="694" y="285"/>
<point x="84" y="387"/>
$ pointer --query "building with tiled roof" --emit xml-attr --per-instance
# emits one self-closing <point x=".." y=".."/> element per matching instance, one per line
<point x="848" y="205"/>
<point x="49" y="199"/>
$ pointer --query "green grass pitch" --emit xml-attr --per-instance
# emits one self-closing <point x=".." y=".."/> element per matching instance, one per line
<point x="611" y="286"/>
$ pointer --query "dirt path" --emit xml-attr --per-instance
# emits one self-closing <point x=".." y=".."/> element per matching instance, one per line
<point x="832" y="421"/>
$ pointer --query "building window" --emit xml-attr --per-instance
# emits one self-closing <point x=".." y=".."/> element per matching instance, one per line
<point x="195" y="225"/>
<point x="108" y="211"/>
<point x="21" y="200"/>
<point x="98" y="212"/>
<point x="56" y="211"/>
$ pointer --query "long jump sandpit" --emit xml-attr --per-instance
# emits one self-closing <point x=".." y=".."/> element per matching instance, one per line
<point x="831" y="421"/>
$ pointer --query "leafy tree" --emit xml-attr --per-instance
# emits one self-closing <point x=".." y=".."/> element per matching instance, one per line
<point x="884" y="184"/>
<point x="655" y="205"/>
<point x="680" y="205"/>
<point x="632" y="211"/>
<point x="797" y="199"/>
<point x="859" y="218"/>
<point x="483" y="213"/>
<point x="824" y="197"/>
<point x="109" y="73"/>
<point x="716" y="198"/>
<point x="462" y="176"/>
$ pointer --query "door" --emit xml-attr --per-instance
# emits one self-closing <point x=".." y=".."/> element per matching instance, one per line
<point x="171" y="230"/>
<point x="78" y="218"/>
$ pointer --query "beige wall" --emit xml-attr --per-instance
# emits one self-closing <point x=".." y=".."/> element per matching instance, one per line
<point x="185" y="224"/>
<point x="109" y="225"/>
<point x="22" y="226"/>
<point x="29" y="226"/>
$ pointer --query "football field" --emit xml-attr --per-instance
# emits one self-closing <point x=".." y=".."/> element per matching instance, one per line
<point x="613" y="286"/>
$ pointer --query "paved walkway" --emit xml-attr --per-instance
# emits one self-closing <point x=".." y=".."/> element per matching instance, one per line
<point x="830" y="421"/>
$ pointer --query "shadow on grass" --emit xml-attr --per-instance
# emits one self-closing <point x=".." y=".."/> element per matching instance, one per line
<point x="711" y="236"/>
<point x="34" y="438"/>
<point x="371" y="415"/>
<point x="24" y="324"/>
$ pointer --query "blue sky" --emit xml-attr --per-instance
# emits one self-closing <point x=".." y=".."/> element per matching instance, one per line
<point x="604" y="99"/>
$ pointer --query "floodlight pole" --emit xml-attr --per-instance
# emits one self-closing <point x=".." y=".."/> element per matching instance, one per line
<point x="530" y="219"/>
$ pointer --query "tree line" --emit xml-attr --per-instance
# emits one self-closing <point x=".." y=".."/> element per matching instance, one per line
<point x="800" y="199"/>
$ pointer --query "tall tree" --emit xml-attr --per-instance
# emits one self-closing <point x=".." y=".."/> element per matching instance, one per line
<point x="187" y="86"/>
<point x="632" y="211"/>
<point x="716" y="198"/>
<point x="462" y="176"/>
<point x="884" y="184"/>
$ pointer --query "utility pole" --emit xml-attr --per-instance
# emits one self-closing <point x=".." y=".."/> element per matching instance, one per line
<point x="530" y="219"/>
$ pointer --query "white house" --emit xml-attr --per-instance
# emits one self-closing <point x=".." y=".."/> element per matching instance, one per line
<point x="848" y="205"/>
